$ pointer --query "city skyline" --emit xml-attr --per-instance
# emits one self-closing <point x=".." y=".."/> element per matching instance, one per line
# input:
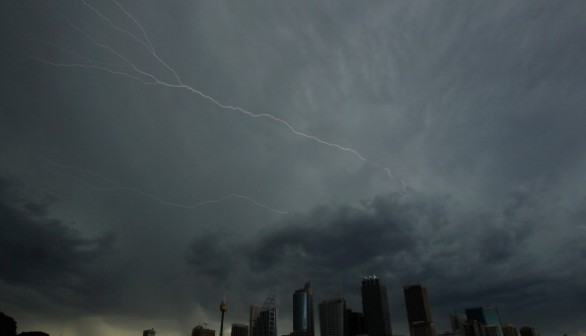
<point x="337" y="319"/>
<point x="157" y="156"/>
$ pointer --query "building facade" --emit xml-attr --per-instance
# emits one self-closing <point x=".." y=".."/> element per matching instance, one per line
<point x="266" y="322"/>
<point x="239" y="329"/>
<point x="303" y="316"/>
<point x="331" y="316"/>
<point x="254" y="314"/>
<point x="202" y="331"/>
<point x="418" y="311"/>
<point x="356" y="325"/>
<point x="487" y="316"/>
<point x="375" y="306"/>
<point x="509" y="330"/>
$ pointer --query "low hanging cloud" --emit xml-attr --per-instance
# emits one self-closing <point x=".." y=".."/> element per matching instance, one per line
<point x="44" y="254"/>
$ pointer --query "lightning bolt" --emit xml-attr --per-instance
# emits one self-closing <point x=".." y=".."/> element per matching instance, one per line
<point x="179" y="84"/>
<point x="111" y="185"/>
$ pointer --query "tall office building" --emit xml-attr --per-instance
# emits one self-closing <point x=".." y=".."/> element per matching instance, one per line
<point x="418" y="312"/>
<point x="266" y="322"/>
<point x="457" y="323"/>
<point x="254" y="313"/>
<point x="239" y="329"/>
<point x="303" y="311"/>
<point x="474" y="328"/>
<point x="200" y="330"/>
<point x="375" y="306"/>
<point x="150" y="332"/>
<point x="509" y="330"/>
<point x="355" y="323"/>
<point x="417" y="303"/>
<point x="331" y="316"/>
<point x="487" y="316"/>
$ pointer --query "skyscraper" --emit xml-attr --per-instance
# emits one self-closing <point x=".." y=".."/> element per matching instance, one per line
<point x="375" y="306"/>
<point x="266" y="322"/>
<point x="474" y="328"/>
<point x="355" y="322"/>
<point x="418" y="312"/>
<point x="457" y="322"/>
<point x="254" y="313"/>
<point x="509" y="330"/>
<point x="149" y="332"/>
<point x="200" y="330"/>
<point x="487" y="316"/>
<point x="303" y="311"/>
<point x="239" y="329"/>
<point x="331" y="316"/>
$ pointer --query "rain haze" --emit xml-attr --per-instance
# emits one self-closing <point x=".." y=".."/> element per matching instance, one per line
<point x="158" y="156"/>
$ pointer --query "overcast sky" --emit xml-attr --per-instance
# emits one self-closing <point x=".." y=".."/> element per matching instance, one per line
<point x="156" y="156"/>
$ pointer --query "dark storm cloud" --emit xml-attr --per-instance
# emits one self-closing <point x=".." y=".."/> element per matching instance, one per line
<point x="40" y="252"/>
<point x="477" y="105"/>
<point x="327" y="240"/>
<point x="466" y="257"/>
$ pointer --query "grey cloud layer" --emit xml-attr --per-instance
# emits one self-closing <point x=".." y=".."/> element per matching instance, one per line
<point x="478" y="106"/>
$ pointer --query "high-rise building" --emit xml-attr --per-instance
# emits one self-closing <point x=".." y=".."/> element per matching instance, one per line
<point x="422" y="328"/>
<point x="331" y="316"/>
<point x="355" y="323"/>
<point x="254" y="314"/>
<point x="418" y="312"/>
<point x="149" y="332"/>
<point x="474" y="328"/>
<point x="457" y="323"/>
<point x="375" y="306"/>
<point x="487" y="316"/>
<point x="303" y="311"/>
<point x="509" y="330"/>
<point x="266" y="322"/>
<point x="202" y="331"/>
<point x="239" y="329"/>
<point x="417" y="303"/>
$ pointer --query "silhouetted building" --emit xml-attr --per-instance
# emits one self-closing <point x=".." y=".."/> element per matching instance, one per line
<point x="356" y="325"/>
<point x="473" y="328"/>
<point x="303" y="311"/>
<point x="150" y="332"/>
<point x="457" y="324"/>
<point x="417" y="303"/>
<point x="509" y="330"/>
<point x="487" y="316"/>
<point x="492" y="330"/>
<point x="528" y="331"/>
<point x="375" y="306"/>
<point x="418" y="311"/>
<point x="331" y="316"/>
<point x="254" y="314"/>
<point x="266" y="322"/>
<point x="447" y="333"/>
<point x="33" y="333"/>
<point x="7" y="325"/>
<point x="422" y="328"/>
<point x="201" y="331"/>
<point x="239" y="329"/>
